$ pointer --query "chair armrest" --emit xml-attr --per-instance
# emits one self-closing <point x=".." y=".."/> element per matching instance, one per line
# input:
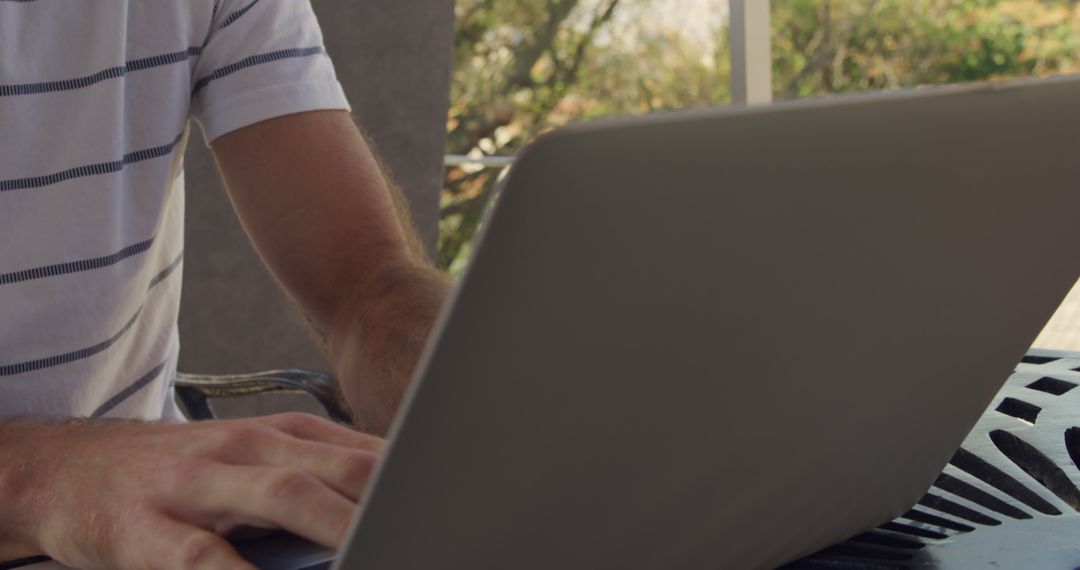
<point x="193" y="390"/>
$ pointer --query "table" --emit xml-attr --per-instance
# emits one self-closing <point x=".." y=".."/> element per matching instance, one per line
<point x="1009" y="498"/>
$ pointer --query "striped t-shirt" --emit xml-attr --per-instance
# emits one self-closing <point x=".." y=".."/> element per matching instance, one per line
<point x="95" y="101"/>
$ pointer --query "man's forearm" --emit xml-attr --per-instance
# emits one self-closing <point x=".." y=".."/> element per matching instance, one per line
<point x="327" y="222"/>
<point x="375" y="346"/>
<point x="14" y="521"/>
<point x="316" y="206"/>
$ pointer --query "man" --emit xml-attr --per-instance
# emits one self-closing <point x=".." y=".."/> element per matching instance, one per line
<point x="95" y="101"/>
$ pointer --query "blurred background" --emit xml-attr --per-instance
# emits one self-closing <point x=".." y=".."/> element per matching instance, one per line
<point x="452" y="91"/>
<point x="523" y="67"/>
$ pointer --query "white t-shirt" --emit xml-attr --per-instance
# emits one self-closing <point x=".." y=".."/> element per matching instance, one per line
<point x="95" y="101"/>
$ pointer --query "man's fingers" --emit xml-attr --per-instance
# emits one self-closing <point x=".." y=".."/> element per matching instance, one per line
<point x="343" y="469"/>
<point x="171" y="544"/>
<point x="306" y="426"/>
<point x="290" y="499"/>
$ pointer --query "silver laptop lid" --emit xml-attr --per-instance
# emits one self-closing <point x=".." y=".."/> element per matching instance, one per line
<point x="728" y="338"/>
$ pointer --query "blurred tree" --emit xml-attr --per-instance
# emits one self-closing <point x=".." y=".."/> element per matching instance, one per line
<point x="517" y="63"/>
<point x="526" y="66"/>
<point x="836" y="46"/>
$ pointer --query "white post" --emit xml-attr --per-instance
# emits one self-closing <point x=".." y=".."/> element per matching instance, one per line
<point x="750" y="34"/>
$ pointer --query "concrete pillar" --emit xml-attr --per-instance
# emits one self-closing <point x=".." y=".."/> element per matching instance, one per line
<point x="750" y="34"/>
<point x="394" y="59"/>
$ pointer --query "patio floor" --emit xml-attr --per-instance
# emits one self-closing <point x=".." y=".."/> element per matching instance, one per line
<point x="1063" y="330"/>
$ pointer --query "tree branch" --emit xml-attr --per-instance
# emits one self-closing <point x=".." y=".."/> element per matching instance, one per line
<point x="823" y="57"/>
<point x="531" y="52"/>
<point x="481" y="122"/>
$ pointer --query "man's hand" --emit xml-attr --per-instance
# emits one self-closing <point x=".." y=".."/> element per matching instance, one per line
<point x="134" y="495"/>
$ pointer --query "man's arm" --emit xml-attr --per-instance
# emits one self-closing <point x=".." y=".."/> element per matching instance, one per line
<point x="332" y="229"/>
<point x="313" y="198"/>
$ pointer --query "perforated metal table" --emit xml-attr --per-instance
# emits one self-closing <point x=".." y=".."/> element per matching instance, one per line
<point x="1009" y="498"/>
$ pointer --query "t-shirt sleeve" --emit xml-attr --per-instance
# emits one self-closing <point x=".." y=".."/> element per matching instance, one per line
<point x="262" y="59"/>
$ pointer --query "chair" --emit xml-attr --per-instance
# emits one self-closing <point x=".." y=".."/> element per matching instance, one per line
<point x="193" y="391"/>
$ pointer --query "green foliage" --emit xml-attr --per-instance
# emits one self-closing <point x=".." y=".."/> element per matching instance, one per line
<point x="823" y="47"/>
<point x="527" y="66"/>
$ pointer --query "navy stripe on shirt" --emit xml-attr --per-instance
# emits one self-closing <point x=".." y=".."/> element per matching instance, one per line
<point x="232" y="18"/>
<point x="253" y="61"/>
<point x="103" y="75"/>
<point x="165" y="273"/>
<point x="75" y="266"/>
<point x="90" y="169"/>
<point x="49" y="362"/>
<point x="126" y="393"/>
<point x="32" y="365"/>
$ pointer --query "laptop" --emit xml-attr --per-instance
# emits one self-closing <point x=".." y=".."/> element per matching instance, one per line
<point x="729" y="338"/>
